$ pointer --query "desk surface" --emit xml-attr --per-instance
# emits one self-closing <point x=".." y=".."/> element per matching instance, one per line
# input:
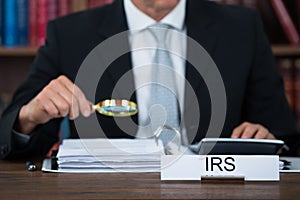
<point x="18" y="183"/>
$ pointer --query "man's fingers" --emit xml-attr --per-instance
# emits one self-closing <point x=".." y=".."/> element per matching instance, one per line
<point x="262" y="133"/>
<point x="249" y="130"/>
<point x="237" y="132"/>
<point x="271" y="136"/>
<point x="78" y="96"/>
<point x="84" y="104"/>
<point x="60" y="103"/>
<point x="65" y="93"/>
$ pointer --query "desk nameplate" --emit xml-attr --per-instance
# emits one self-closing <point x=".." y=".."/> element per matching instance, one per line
<point x="197" y="167"/>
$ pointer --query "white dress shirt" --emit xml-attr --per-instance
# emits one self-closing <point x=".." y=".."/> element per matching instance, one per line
<point x="139" y="37"/>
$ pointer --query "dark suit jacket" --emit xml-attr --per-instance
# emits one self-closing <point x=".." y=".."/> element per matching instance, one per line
<point x="233" y="36"/>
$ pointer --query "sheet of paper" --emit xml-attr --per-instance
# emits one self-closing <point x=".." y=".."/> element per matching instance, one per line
<point x="105" y="155"/>
<point x="294" y="164"/>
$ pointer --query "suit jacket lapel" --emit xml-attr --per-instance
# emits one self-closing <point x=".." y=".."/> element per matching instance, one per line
<point x="115" y="21"/>
<point x="114" y="24"/>
<point x="202" y="28"/>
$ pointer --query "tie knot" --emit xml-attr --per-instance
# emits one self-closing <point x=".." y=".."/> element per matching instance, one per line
<point x="159" y="31"/>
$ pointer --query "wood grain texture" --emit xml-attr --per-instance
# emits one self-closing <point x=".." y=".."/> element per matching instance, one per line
<point x="18" y="183"/>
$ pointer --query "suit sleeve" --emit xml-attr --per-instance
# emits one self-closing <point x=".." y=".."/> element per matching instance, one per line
<point x="44" y="68"/>
<point x="265" y="101"/>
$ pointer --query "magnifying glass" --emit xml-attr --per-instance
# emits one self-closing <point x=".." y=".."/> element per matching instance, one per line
<point x="116" y="108"/>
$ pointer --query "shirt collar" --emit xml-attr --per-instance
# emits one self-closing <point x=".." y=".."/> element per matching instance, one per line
<point x="137" y="20"/>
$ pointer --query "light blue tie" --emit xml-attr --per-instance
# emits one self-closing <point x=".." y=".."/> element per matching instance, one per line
<point x="164" y="105"/>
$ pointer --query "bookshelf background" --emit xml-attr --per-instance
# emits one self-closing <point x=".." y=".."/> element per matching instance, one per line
<point x="16" y="58"/>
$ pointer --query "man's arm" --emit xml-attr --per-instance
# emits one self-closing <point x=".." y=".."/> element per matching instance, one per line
<point x="266" y="112"/>
<point x="39" y="104"/>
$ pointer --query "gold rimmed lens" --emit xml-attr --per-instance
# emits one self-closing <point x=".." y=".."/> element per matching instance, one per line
<point x="116" y="108"/>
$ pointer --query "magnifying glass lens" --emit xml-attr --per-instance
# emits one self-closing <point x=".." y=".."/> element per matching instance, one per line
<point x="116" y="108"/>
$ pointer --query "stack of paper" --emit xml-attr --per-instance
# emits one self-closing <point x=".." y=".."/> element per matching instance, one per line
<point x="104" y="155"/>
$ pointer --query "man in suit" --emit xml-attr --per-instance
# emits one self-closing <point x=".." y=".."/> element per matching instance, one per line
<point x="233" y="37"/>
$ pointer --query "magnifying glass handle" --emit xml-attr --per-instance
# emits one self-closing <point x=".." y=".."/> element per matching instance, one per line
<point x="94" y="107"/>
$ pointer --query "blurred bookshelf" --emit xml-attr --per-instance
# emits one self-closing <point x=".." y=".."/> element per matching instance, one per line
<point x="18" y="51"/>
<point x="286" y="50"/>
<point x="278" y="50"/>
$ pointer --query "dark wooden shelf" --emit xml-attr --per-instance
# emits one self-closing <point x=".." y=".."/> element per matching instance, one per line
<point x="278" y="50"/>
<point x="286" y="50"/>
<point x="18" y="51"/>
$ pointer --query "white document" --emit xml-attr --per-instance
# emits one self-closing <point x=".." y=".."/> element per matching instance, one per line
<point x="107" y="155"/>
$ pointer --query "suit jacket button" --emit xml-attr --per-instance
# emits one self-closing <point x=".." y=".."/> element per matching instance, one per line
<point x="3" y="149"/>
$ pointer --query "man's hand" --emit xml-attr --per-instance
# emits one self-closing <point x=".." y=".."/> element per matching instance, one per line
<point x="59" y="98"/>
<point x="249" y="130"/>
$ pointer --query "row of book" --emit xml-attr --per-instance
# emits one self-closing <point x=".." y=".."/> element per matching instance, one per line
<point x="281" y="18"/>
<point x="289" y="68"/>
<point x="23" y="22"/>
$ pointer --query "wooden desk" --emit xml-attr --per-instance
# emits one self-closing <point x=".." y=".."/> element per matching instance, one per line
<point x="18" y="183"/>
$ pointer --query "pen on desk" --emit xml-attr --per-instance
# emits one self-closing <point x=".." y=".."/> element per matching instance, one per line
<point x="285" y="162"/>
<point x="30" y="166"/>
